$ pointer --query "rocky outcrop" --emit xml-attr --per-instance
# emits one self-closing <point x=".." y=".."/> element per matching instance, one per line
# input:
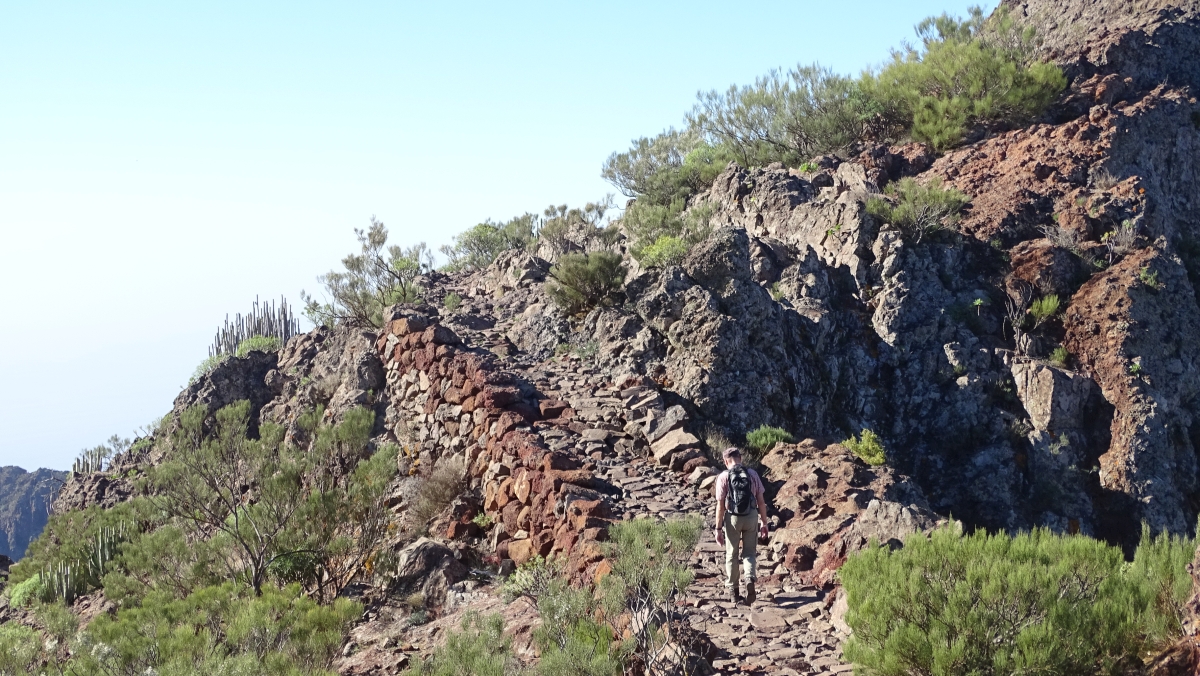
<point x="1140" y="343"/>
<point x="25" y="499"/>
<point x="1150" y="41"/>
<point x="831" y="504"/>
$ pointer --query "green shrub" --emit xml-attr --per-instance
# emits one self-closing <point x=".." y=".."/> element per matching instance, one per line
<point x="479" y="649"/>
<point x="1160" y="563"/>
<point x="372" y="280"/>
<point x="452" y="301"/>
<point x="584" y="281"/>
<point x="20" y="649"/>
<point x="671" y="166"/>
<point x="785" y="117"/>
<point x="260" y="344"/>
<point x="26" y="592"/>
<point x="651" y="568"/>
<point x="919" y="209"/>
<point x="1149" y="278"/>
<point x="478" y="247"/>
<point x="1060" y="357"/>
<point x="217" y="630"/>
<point x="765" y="437"/>
<point x="998" y="604"/>
<point x="868" y="447"/>
<point x="205" y="367"/>
<point x="664" y="252"/>
<point x="964" y="72"/>
<point x="1044" y="308"/>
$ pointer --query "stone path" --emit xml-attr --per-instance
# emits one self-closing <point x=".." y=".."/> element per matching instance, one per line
<point x="787" y="631"/>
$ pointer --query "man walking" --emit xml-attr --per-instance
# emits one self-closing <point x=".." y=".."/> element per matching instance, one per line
<point x="741" y="516"/>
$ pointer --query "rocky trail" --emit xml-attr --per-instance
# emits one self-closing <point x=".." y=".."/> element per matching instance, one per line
<point x="645" y="467"/>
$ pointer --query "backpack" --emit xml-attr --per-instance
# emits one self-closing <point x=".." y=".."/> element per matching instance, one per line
<point x="740" y="498"/>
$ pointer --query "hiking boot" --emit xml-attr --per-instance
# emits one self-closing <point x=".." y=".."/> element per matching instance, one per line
<point x="750" y="595"/>
<point x="734" y="596"/>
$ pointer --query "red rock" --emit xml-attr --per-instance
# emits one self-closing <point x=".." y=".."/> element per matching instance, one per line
<point x="603" y="570"/>
<point x="691" y="465"/>
<point x="458" y="530"/>
<point x="406" y="325"/>
<point x="552" y="408"/>
<point x="557" y="460"/>
<point x="453" y="395"/>
<point x="468" y="405"/>
<point x="511" y="516"/>
<point x="504" y="493"/>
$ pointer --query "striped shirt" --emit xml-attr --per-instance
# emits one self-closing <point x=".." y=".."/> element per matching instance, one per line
<point x="756" y="487"/>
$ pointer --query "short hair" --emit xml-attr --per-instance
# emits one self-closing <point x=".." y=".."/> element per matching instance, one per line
<point x="732" y="452"/>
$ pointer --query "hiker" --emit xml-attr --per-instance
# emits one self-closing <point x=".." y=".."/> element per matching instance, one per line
<point x="741" y="519"/>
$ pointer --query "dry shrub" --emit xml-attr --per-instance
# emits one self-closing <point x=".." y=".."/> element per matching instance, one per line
<point x="436" y="491"/>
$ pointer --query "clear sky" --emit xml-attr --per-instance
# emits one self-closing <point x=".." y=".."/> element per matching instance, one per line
<point x="163" y="163"/>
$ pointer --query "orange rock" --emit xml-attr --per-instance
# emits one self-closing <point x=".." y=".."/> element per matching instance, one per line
<point x="521" y="551"/>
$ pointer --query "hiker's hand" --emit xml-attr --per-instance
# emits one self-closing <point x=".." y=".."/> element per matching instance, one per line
<point x="720" y="537"/>
<point x="762" y="530"/>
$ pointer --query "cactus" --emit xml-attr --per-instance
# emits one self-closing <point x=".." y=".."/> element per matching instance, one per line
<point x="61" y="582"/>
<point x="91" y="460"/>
<point x="67" y="579"/>
<point x="263" y="320"/>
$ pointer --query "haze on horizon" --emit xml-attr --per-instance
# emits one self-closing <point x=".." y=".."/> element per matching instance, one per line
<point x="160" y="167"/>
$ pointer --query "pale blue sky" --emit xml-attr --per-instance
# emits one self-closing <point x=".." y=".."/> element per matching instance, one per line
<point x="161" y="164"/>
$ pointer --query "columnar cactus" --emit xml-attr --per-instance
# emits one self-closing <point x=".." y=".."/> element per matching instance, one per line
<point x="263" y="320"/>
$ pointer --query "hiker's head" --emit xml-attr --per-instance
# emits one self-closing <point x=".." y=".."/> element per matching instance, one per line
<point x="733" y="456"/>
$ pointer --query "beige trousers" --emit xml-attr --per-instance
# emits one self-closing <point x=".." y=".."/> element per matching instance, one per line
<point x="741" y="547"/>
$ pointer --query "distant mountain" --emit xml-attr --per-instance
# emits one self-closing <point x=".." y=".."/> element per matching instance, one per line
<point x="25" y="499"/>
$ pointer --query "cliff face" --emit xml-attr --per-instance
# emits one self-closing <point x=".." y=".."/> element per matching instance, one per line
<point x="25" y="499"/>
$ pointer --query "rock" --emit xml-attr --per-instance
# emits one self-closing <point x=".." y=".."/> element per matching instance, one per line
<point x="429" y="568"/>
<point x="672" y="442"/>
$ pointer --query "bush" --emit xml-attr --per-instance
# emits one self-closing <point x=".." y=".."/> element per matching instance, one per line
<point x="1060" y="357"/>
<point x="479" y="649"/>
<point x="478" y="247"/>
<point x="452" y="301"/>
<point x="785" y="117"/>
<point x="965" y="72"/>
<point x="260" y="344"/>
<point x="205" y="367"/>
<point x="671" y="166"/>
<point x="1160" y="563"/>
<point x="26" y="592"/>
<point x="20" y="650"/>
<point x="765" y="437"/>
<point x="664" y="252"/>
<point x="372" y="280"/>
<point x="216" y="630"/>
<point x="436" y="492"/>
<point x="1044" y="308"/>
<point x="584" y="281"/>
<point x="650" y="562"/>
<point x="998" y="604"/>
<point x="868" y="447"/>
<point x="920" y="209"/>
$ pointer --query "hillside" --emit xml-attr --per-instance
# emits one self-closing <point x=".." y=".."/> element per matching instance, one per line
<point x="978" y="321"/>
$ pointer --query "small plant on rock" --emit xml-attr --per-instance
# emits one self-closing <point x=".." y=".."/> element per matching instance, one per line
<point x="1044" y="308"/>
<point x="483" y="520"/>
<point x="664" y="252"/>
<point x="585" y="281"/>
<point x="1060" y="357"/>
<point x="919" y="210"/>
<point x="258" y="344"/>
<point x="452" y="301"/>
<point x="765" y="437"/>
<point x="1149" y="278"/>
<point x="808" y="167"/>
<point x="868" y="447"/>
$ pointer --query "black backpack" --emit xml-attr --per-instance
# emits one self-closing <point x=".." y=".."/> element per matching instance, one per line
<point x="741" y="496"/>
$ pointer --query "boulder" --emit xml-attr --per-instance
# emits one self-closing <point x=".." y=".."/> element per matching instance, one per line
<point x="429" y="568"/>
